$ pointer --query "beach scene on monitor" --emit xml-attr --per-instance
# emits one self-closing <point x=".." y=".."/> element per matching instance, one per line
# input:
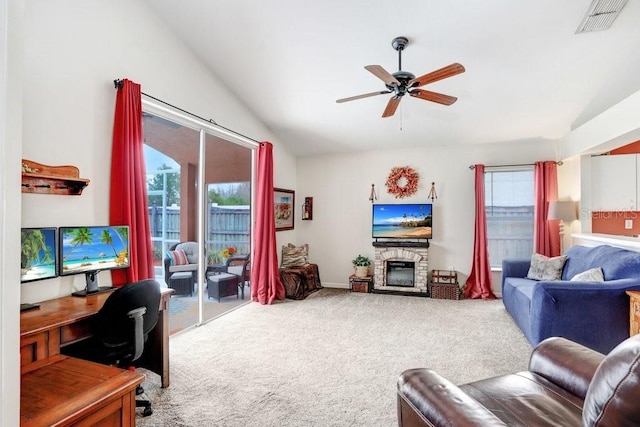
<point x="94" y="248"/>
<point x="38" y="254"/>
<point x="408" y="221"/>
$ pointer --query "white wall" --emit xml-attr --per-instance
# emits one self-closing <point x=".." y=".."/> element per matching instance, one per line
<point x="340" y="185"/>
<point x="11" y="13"/>
<point x="615" y="127"/>
<point x="74" y="50"/>
<point x="569" y="188"/>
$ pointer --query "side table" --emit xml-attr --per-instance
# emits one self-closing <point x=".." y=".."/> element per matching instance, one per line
<point x="216" y="268"/>
<point x="360" y="284"/>
<point x="634" y="312"/>
<point x="222" y="285"/>
<point x="182" y="283"/>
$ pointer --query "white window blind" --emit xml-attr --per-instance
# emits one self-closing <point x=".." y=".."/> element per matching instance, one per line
<point x="509" y="201"/>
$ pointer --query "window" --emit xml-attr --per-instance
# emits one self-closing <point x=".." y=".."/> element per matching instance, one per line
<point x="509" y="201"/>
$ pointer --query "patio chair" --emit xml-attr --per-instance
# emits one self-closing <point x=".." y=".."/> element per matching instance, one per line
<point x="240" y="265"/>
<point x="181" y="258"/>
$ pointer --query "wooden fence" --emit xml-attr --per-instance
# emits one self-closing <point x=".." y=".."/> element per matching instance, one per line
<point x="510" y="233"/>
<point x="227" y="226"/>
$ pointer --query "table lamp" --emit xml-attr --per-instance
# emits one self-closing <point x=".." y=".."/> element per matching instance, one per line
<point x="565" y="211"/>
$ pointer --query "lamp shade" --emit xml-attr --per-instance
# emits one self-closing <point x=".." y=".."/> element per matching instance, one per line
<point x="563" y="210"/>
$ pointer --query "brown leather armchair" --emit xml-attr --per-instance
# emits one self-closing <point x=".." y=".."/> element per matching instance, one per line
<point x="567" y="384"/>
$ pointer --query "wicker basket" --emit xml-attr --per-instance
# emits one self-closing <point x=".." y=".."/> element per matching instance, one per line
<point x="444" y="285"/>
<point x="445" y="291"/>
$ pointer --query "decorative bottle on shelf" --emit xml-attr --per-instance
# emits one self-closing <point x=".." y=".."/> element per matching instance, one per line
<point x="307" y="208"/>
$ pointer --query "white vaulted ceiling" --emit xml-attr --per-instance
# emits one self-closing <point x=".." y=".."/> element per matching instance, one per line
<point x="528" y="75"/>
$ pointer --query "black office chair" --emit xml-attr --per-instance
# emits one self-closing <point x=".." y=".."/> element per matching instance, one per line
<point x="121" y="327"/>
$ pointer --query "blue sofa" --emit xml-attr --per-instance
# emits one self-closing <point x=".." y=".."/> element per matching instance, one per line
<point x="594" y="314"/>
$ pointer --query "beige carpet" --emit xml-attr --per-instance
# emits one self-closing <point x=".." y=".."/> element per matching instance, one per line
<point x="183" y="309"/>
<point x="330" y="360"/>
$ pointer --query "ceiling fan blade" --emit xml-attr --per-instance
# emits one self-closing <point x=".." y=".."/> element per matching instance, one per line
<point x="382" y="74"/>
<point x="434" y="76"/>
<point x="365" y="95"/>
<point x="433" y="96"/>
<point x="392" y="105"/>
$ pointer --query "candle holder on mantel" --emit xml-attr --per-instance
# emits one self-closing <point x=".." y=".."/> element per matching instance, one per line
<point x="307" y="209"/>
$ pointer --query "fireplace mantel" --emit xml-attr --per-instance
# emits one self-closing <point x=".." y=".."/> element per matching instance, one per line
<point x="400" y="244"/>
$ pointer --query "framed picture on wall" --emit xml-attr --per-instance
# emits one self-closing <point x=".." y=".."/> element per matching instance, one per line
<point x="283" y="204"/>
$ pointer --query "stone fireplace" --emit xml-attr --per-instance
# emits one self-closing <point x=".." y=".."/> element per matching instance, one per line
<point x="401" y="267"/>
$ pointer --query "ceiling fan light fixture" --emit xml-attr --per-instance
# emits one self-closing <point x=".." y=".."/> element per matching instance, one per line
<point x="600" y="15"/>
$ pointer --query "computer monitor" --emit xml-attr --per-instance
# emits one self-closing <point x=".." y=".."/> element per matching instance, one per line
<point x="92" y="249"/>
<point x="38" y="258"/>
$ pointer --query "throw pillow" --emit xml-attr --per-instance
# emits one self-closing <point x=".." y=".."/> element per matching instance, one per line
<point x="294" y="256"/>
<point x="191" y="251"/>
<point x="304" y="248"/>
<point x="178" y="257"/>
<point x="593" y="275"/>
<point x="545" y="268"/>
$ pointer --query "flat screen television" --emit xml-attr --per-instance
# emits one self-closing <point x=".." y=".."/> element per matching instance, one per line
<point x="402" y="221"/>
<point x="89" y="250"/>
<point x="38" y="258"/>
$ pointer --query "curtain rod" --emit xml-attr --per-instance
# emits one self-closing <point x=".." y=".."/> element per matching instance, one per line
<point x="472" y="167"/>
<point x="118" y="83"/>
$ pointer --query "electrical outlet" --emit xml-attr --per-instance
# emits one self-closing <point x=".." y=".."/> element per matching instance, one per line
<point x="628" y="224"/>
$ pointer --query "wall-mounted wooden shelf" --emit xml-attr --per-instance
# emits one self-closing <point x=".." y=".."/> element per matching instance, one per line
<point x="43" y="179"/>
<point x="307" y="209"/>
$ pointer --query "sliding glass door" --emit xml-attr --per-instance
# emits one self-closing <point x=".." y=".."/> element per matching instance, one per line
<point x="199" y="189"/>
<point x="227" y="225"/>
<point x="171" y="161"/>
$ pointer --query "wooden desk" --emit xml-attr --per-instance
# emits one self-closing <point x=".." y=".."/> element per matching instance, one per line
<point x="63" y="321"/>
<point x="634" y="312"/>
<point x="65" y="391"/>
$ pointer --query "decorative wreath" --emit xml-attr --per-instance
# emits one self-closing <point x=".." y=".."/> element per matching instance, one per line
<point x="410" y="185"/>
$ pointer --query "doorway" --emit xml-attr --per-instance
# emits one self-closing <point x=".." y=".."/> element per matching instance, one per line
<point x="180" y="160"/>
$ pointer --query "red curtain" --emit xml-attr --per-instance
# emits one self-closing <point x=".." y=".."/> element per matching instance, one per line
<point x="266" y="286"/>
<point x="479" y="282"/>
<point x="546" y="234"/>
<point x="128" y="194"/>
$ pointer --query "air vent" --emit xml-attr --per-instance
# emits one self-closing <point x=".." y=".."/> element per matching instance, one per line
<point x="600" y="15"/>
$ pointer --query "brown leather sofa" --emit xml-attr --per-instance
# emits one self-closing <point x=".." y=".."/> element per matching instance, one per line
<point x="566" y="385"/>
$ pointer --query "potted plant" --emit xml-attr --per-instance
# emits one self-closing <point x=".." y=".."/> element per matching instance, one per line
<point x="361" y="264"/>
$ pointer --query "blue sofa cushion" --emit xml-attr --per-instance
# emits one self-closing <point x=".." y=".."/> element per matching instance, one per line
<point x="522" y="286"/>
<point x="616" y="263"/>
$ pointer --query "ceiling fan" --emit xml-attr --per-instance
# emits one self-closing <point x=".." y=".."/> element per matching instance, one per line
<point x="402" y="83"/>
